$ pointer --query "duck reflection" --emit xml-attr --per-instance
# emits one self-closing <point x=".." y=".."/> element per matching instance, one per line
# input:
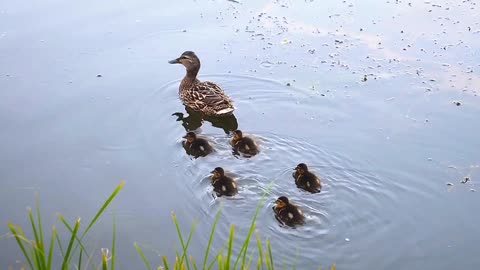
<point x="194" y="120"/>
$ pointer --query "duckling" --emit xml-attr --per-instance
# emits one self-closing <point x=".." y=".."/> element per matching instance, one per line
<point x="223" y="185"/>
<point x="196" y="146"/>
<point x="306" y="180"/>
<point x="243" y="144"/>
<point x="287" y="213"/>
<point x="205" y="97"/>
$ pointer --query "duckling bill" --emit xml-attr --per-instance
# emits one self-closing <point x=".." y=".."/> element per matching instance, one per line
<point x="197" y="147"/>
<point x="244" y="144"/>
<point x="288" y="213"/>
<point x="205" y="97"/>
<point x="222" y="184"/>
<point x="306" y="180"/>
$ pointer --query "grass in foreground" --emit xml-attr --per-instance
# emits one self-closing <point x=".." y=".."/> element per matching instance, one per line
<point x="39" y="254"/>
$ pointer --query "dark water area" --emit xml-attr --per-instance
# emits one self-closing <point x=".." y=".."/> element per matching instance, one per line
<point x="365" y="93"/>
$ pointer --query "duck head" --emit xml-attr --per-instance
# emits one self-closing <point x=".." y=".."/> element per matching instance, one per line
<point x="217" y="173"/>
<point x="281" y="202"/>
<point x="191" y="136"/>
<point x="190" y="60"/>
<point x="301" y="168"/>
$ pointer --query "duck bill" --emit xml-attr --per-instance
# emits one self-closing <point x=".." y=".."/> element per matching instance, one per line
<point x="174" y="61"/>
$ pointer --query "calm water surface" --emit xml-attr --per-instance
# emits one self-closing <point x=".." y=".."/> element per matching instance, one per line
<point x="363" y="92"/>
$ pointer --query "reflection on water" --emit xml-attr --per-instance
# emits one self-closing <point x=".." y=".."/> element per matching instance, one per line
<point x="194" y="120"/>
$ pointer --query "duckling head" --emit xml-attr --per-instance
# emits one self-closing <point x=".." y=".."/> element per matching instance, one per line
<point x="237" y="135"/>
<point x="218" y="172"/>
<point x="281" y="202"/>
<point x="189" y="59"/>
<point x="301" y="168"/>
<point x="191" y="136"/>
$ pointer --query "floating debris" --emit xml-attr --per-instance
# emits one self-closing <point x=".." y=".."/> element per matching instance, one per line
<point x="465" y="180"/>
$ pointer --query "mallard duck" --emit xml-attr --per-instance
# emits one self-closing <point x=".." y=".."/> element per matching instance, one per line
<point x="243" y="144"/>
<point x="306" y="180"/>
<point x="287" y="213"/>
<point x="196" y="146"/>
<point x="222" y="184"/>
<point x="205" y="97"/>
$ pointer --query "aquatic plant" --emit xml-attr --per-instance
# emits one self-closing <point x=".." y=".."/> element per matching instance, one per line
<point x="40" y="256"/>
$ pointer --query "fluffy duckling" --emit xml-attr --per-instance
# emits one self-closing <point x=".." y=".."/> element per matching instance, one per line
<point x="196" y="146"/>
<point x="244" y="144"/>
<point x="287" y="213"/>
<point x="205" y="97"/>
<point x="306" y="180"/>
<point x="223" y="185"/>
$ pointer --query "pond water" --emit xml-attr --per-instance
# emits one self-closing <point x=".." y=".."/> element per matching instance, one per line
<point x="365" y="93"/>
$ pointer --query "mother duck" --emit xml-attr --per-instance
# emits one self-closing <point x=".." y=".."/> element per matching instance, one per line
<point x="205" y="97"/>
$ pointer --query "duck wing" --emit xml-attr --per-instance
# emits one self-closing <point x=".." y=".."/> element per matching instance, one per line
<point x="207" y="97"/>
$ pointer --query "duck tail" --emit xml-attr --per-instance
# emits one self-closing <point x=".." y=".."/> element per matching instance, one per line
<point x="225" y="111"/>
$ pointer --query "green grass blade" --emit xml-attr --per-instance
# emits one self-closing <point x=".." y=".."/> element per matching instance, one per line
<point x="230" y="247"/>
<point x="165" y="262"/>
<point x="35" y="257"/>
<point x="79" y="241"/>
<point x="20" y="244"/>
<point x="80" y="260"/>
<point x="114" y="242"/>
<point x="51" y="248"/>
<point x="270" y="256"/>
<point x="40" y="228"/>
<point x="193" y="263"/>
<point x="104" y="260"/>
<point x="37" y="247"/>
<point x="66" y="259"/>
<point x="144" y="259"/>
<point x="246" y="243"/>
<point x="179" y="232"/>
<point x="210" y="240"/>
<point x="260" y="250"/>
<point x="60" y="247"/>
<point x="102" y="209"/>
<point x="215" y="259"/>
<point x="220" y="262"/>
